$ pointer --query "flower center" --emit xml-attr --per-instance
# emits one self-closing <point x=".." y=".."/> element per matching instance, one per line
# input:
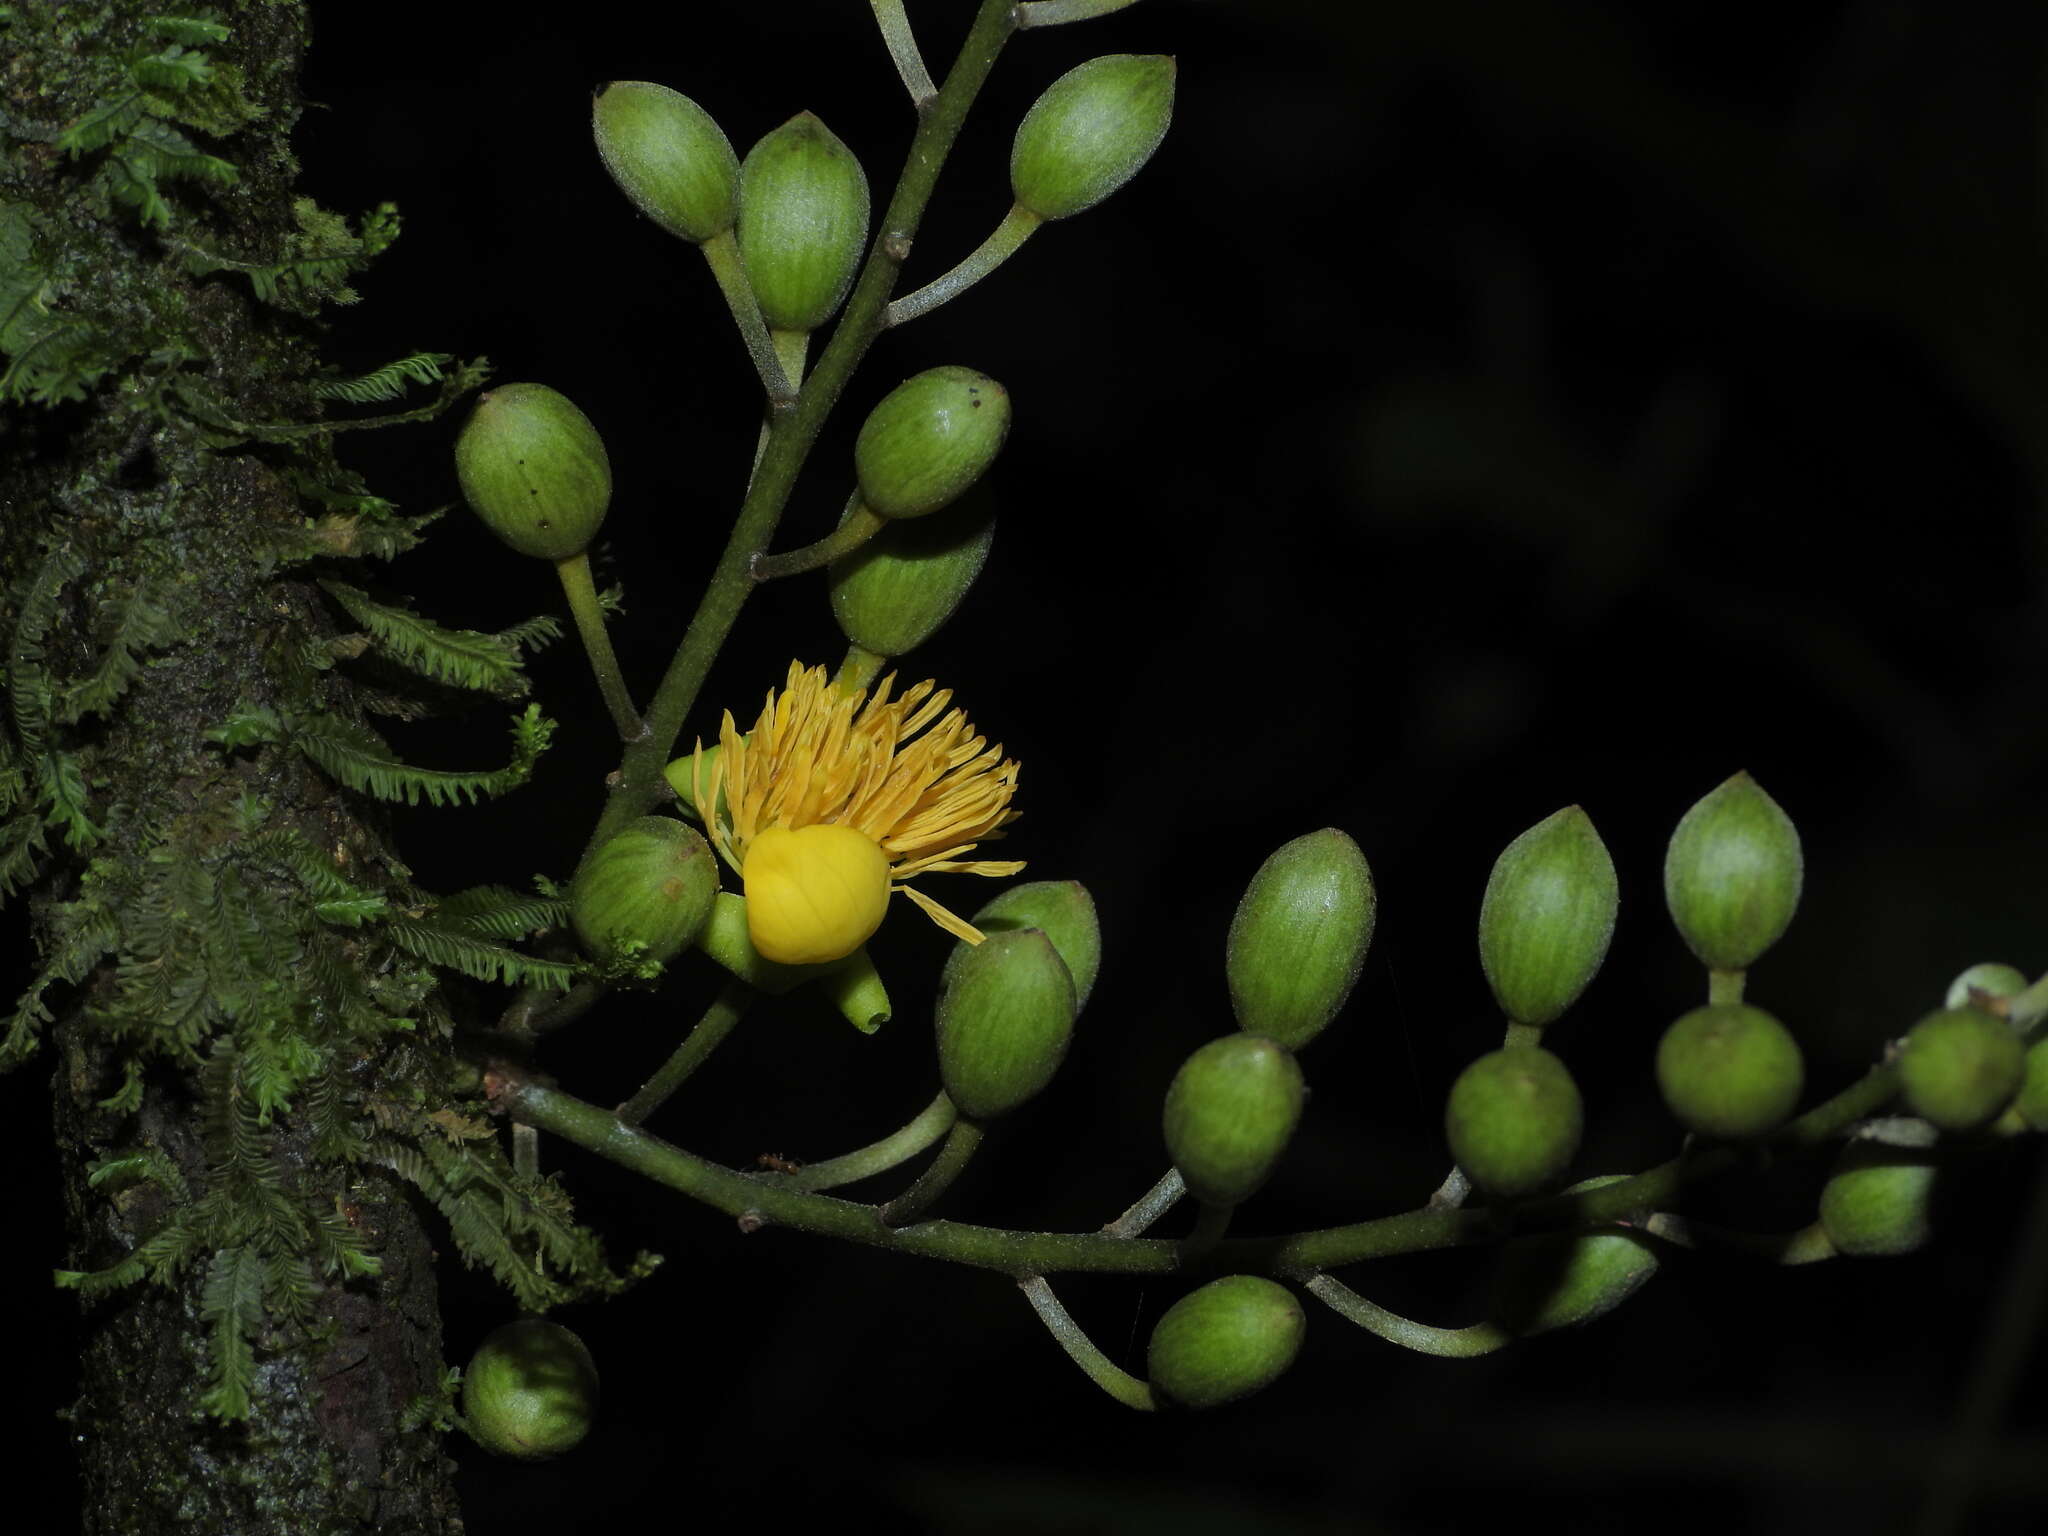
<point x="813" y="893"/>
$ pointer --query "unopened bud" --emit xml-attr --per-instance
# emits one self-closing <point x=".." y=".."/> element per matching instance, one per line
<point x="530" y="1391"/>
<point x="1092" y="131"/>
<point x="1005" y="1019"/>
<point x="1732" y="874"/>
<point x="894" y="593"/>
<point x="1879" y="1200"/>
<point x="1562" y="1279"/>
<point x="1299" y="937"/>
<point x="1960" y="1067"/>
<point x="534" y="469"/>
<point x="646" y="893"/>
<point x="1513" y="1120"/>
<point x="802" y="223"/>
<point x="1225" y="1341"/>
<point x="1060" y="909"/>
<point x="1730" y="1070"/>
<point x="1230" y="1112"/>
<point x="929" y="439"/>
<point x="669" y="157"/>
<point x="1547" y="916"/>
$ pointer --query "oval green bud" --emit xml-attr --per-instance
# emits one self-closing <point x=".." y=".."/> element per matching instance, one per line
<point x="1879" y="1200"/>
<point x="644" y="895"/>
<point x="1230" y="1112"/>
<point x="1092" y="131"/>
<point x="1513" y="1120"/>
<point x="1730" y="1070"/>
<point x="1225" y="1341"/>
<point x="895" y="592"/>
<point x="669" y="157"/>
<point x="1732" y="874"/>
<point x="1547" y="917"/>
<point x="931" y="437"/>
<point x="803" y="222"/>
<point x="1562" y="1279"/>
<point x="534" y="469"/>
<point x="1987" y="981"/>
<point x="1960" y="1067"/>
<point x="1005" y="1019"/>
<point x="1060" y="909"/>
<point x="530" y="1391"/>
<point x="2032" y="1102"/>
<point x="1299" y="937"/>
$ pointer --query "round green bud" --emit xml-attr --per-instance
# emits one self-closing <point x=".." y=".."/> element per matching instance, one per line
<point x="646" y="893"/>
<point x="1561" y="1279"/>
<point x="803" y="222"/>
<point x="1879" y="1200"/>
<point x="1547" y="916"/>
<point x="534" y="469"/>
<point x="1730" y="1070"/>
<point x="530" y="1391"/>
<point x="1092" y="131"/>
<point x="897" y="590"/>
<point x="1005" y="1018"/>
<point x="1060" y="909"/>
<point x="1513" y="1120"/>
<point x="1230" y="1112"/>
<point x="1732" y="874"/>
<point x="669" y="157"/>
<point x="1299" y="937"/>
<point x="929" y="439"/>
<point x="1225" y="1341"/>
<point x="1986" y="981"/>
<point x="1960" y="1067"/>
<point x="2032" y="1102"/>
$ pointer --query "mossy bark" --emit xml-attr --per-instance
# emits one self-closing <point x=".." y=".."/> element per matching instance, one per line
<point x="139" y="487"/>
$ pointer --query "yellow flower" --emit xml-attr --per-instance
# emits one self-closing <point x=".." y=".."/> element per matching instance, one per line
<point x="833" y="800"/>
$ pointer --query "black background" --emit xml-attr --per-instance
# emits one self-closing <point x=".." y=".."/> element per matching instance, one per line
<point x="1473" y="410"/>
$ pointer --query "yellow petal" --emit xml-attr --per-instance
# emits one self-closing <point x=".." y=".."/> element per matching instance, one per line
<point x="814" y="893"/>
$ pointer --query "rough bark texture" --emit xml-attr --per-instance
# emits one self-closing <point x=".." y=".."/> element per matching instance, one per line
<point x="138" y="488"/>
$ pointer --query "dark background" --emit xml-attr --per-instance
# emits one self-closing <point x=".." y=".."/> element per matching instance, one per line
<point x="1473" y="410"/>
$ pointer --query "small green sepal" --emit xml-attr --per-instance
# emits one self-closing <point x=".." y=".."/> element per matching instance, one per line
<point x="530" y="1391"/>
<point x="1985" y="982"/>
<point x="1092" y="131"/>
<point x="1732" y="874"/>
<point x="929" y="439"/>
<point x="856" y="990"/>
<point x="1959" y="1067"/>
<point x="1563" y="1279"/>
<point x="1230" y="1112"/>
<point x="803" y="222"/>
<point x="1879" y="1200"/>
<point x="1060" y="909"/>
<point x="1513" y="1120"/>
<point x="646" y="892"/>
<point x="669" y="156"/>
<point x="724" y="938"/>
<point x="1547" y="917"/>
<point x="1299" y="937"/>
<point x="534" y="469"/>
<point x="899" y="588"/>
<point x="1730" y="1070"/>
<point x="1225" y="1341"/>
<point x="1005" y="1019"/>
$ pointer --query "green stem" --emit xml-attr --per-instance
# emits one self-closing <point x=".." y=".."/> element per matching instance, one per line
<point x="1053" y="13"/>
<point x="1118" y="1383"/>
<point x="859" y="670"/>
<point x="1451" y="1343"/>
<point x="640" y="786"/>
<point x="1809" y="1245"/>
<point x="1451" y="1193"/>
<point x="902" y="45"/>
<point x="722" y="255"/>
<point x="726" y="1010"/>
<point x="1211" y="1222"/>
<point x="526" y="1151"/>
<point x="1725" y="987"/>
<point x="855" y="529"/>
<point x="878" y="1157"/>
<point x="961" y="1140"/>
<point x="998" y="248"/>
<point x="1153" y="1204"/>
<point x="567" y="1008"/>
<point x="1521" y="1034"/>
<point x="597" y="644"/>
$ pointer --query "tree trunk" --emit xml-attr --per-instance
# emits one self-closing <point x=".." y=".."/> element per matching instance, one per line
<point x="146" y="313"/>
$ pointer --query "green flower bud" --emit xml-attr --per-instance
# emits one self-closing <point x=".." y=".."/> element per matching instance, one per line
<point x="1547" y="917"/>
<point x="1732" y="874"/>
<point x="895" y="591"/>
<point x="1092" y="131"/>
<point x="1561" y="1279"/>
<point x="803" y="221"/>
<point x="530" y="1391"/>
<point x="1225" y="1341"/>
<point x="1960" y="1067"/>
<point x="1299" y="937"/>
<point x="646" y="893"/>
<point x="681" y="774"/>
<point x="1005" y="1018"/>
<point x="535" y="470"/>
<point x="1060" y="909"/>
<point x="1730" y="1070"/>
<point x="1879" y="1200"/>
<point x="1230" y="1112"/>
<point x="1990" y="979"/>
<point x="929" y="439"/>
<point x="2032" y="1102"/>
<point x="669" y="157"/>
<point x="1513" y="1120"/>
